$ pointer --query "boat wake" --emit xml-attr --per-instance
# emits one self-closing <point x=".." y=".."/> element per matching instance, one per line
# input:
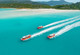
<point x="60" y="21"/>
<point x="67" y="28"/>
<point x="54" y="27"/>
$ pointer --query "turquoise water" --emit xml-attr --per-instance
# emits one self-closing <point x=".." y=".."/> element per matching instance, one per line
<point x="6" y="9"/>
<point x="12" y="29"/>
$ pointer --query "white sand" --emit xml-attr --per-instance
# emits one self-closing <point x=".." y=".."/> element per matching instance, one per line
<point x="27" y="12"/>
<point x="47" y="10"/>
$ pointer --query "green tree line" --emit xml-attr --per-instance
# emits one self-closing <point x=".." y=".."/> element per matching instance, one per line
<point x="71" y="6"/>
<point x="23" y="5"/>
<point x="18" y="5"/>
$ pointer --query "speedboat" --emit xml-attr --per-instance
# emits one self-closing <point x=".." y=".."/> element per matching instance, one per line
<point x="51" y="36"/>
<point x="26" y="37"/>
<point x="39" y="27"/>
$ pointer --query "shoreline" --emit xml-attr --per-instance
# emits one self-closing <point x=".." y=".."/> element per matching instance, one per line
<point x="28" y="12"/>
<point x="46" y="11"/>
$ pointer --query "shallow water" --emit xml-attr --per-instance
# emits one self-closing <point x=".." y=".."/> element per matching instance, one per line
<point x="12" y="29"/>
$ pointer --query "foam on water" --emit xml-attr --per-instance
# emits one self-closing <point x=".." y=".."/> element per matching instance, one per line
<point x="59" y="22"/>
<point x="67" y="28"/>
<point x="54" y="27"/>
<point x="13" y="28"/>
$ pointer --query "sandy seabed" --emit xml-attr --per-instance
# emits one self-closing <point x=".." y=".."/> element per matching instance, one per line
<point x="26" y="12"/>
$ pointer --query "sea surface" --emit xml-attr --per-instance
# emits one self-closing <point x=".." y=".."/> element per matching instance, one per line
<point x="12" y="29"/>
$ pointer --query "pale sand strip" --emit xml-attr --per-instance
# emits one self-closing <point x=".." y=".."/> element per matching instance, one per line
<point x="27" y="12"/>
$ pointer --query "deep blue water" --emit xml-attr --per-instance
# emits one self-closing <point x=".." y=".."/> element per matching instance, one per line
<point x="12" y="29"/>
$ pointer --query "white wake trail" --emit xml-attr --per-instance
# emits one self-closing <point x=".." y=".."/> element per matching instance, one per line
<point x="67" y="28"/>
<point x="59" y="22"/>
<point x="54" y="27"/>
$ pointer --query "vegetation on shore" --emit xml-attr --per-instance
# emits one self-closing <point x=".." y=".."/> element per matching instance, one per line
<point x="18" y="5"/>
<point x="71" y="6"/>
<point x="22" y="5"/>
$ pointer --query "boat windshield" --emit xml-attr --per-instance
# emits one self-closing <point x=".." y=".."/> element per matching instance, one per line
<point x="50" y="36"/>
<point x="26" y="36"/>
